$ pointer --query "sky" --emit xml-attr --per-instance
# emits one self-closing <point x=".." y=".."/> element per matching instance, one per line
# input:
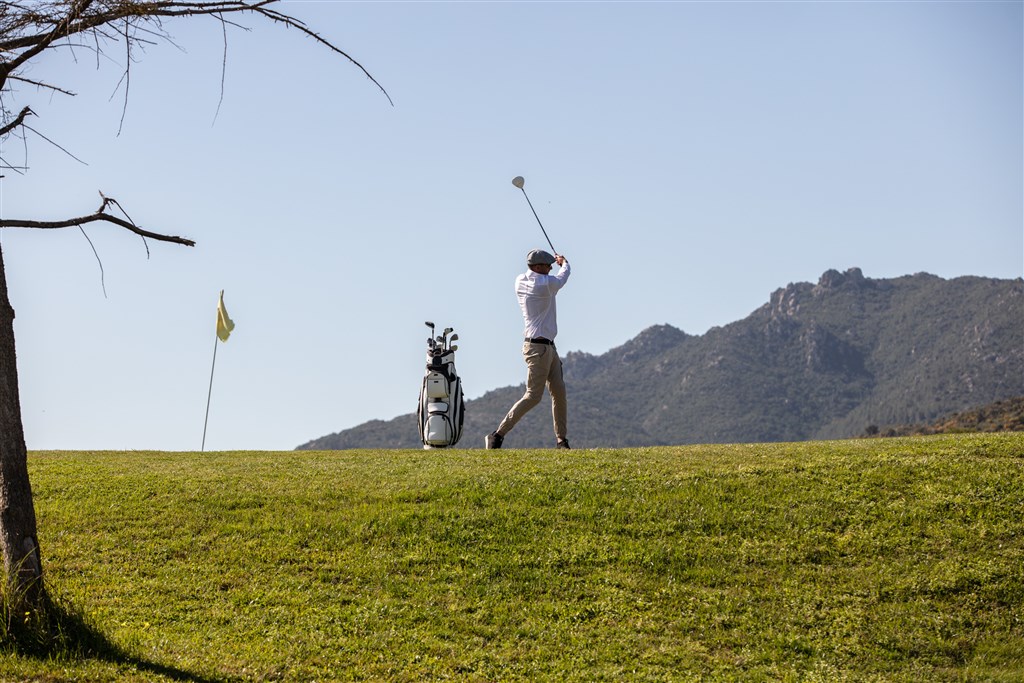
<point x="688" y="158"/>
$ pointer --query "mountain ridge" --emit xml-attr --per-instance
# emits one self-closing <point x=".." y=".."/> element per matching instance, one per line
<point x="815" y="361"/>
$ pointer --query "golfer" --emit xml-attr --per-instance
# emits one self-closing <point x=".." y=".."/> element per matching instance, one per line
<point x="536" y="290"/>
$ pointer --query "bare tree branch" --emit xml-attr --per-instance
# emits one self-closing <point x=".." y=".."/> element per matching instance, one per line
<point x="99" y="215"/>
<point x="42" y="41"/>
<point x="110" y="200"/>
<point x="18" y="120"/>
<point x="127" y="75"/>
<point x="41" y="29"/>
<point x="223" y="65"/>
<point x="27" y="127"/>
<point x="40" y="84"/>
<point x="103" y="275"/>
<point x="20" y="170"/>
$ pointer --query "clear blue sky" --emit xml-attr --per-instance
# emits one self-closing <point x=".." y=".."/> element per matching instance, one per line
<point x="688" y="158"/>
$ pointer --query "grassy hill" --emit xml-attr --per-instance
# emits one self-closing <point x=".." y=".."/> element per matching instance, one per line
<point x="1000" y="416"/>
<point x="875" y="560"/>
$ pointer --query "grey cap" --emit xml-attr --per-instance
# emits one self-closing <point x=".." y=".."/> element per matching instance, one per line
<point x="539" y="257"/>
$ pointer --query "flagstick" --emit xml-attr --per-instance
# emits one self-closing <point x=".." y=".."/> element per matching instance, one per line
<point x="209" y="393"/>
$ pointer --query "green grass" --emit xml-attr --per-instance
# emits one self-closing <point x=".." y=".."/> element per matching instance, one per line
<point x="874" y="560"/>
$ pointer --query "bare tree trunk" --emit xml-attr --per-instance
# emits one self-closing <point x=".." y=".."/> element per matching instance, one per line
<point x="17" y="514"/>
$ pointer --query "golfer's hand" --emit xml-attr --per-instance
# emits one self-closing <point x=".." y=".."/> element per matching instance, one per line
<point x="559" y="259"/>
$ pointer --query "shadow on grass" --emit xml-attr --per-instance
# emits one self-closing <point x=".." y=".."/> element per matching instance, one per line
<point x="56" y="629"/>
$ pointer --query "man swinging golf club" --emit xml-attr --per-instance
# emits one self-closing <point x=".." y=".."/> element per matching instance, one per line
<point x="536" y="290"/>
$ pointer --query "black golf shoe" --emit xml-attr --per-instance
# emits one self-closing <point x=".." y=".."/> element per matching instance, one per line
<point x="493" y="440"/>
<point x="562" y="443"/>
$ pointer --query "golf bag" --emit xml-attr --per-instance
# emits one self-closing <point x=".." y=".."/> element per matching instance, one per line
<point x="441" y="405"/>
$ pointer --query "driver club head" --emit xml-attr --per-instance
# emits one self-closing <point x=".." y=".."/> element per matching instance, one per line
<point x="518" y="181"/>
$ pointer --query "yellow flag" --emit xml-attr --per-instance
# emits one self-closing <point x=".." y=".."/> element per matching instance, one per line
<point x="224" y="323"/>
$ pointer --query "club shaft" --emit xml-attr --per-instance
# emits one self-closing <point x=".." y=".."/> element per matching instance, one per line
<point x="553" y="251"/>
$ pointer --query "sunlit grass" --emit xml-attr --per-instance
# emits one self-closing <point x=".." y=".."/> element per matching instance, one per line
<point x="889" y="560"/>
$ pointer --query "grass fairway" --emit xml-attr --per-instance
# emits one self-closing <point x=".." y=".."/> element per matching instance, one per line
<point x="874" y="560"/>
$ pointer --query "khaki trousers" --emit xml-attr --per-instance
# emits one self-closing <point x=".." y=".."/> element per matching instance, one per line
<point x="543" y="367"/>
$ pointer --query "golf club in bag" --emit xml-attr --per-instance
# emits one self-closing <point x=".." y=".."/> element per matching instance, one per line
<point x="441" y="406"/>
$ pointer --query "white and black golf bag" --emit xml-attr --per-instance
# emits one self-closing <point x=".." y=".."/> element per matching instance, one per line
<point x="441" y="406"/>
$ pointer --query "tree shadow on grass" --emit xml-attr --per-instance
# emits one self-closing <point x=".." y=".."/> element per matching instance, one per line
<point x="56" y="629"/>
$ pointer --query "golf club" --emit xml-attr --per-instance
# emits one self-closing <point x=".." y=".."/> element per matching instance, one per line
<point x="430" y="339"/>
<point x="518" y="181"/>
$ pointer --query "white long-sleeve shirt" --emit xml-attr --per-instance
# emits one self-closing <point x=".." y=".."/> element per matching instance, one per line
<point x="536" y="294"/>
